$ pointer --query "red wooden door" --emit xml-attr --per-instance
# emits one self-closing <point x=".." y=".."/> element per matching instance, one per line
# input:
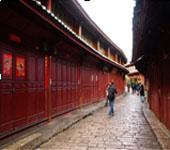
<point x="64" y="86"/>
<point x="154" y="88"/>
<point x="22" y="94"/>
<point x="13" y="89"/>
<point x="165" y="93"/>
<point x="6" y="89"/>
<point x="40" y="87"/>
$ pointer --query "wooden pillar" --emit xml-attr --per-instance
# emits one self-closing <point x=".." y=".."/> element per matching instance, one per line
<point x="80" y="30"/>
<point x="98" y="84"/>
<point x="116" y="57"/>
<point x="120" y="61"/>
<point x="49" y="5"/>
<point x="48" y="82"/>
<point x="79" y="86"/>
<point x="50" y="89"/>
<point x="98" y="45"/>
<point x="109" y="53"/>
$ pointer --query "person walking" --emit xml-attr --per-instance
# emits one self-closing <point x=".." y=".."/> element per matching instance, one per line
<point x="133" y="88"/>
<point x="128" y="86"/>
<point x="107" y="100"/>
<point x="111" y="96"/>
<point x="142" y="93"/>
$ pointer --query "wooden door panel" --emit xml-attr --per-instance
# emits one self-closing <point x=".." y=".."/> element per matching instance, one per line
<point x="59" y="99"/>
<point x="165" y="95"/>
<point x="40" y="103"/>
<point x="54" y="88"/>
<point x="168" y="96"/>
<point x="40" y="94"/>
<point x="6" y="113"/>
<point x="6" y="87"/>
<point x="68" y="82"/>
<point x="22" y="99"/>
<point x="31" y="68"/>
<point x="31" y="106"/>
<point x="20" y="108"/>
<point x="20" y="88"/>
<point x="31" y="87"/>
<point x="54" y="101"/>
<point x="63" y="88"/>
<point x="40" y="69"/>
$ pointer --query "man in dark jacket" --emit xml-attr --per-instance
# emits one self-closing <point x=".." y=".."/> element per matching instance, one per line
<point x="111" y="96"/>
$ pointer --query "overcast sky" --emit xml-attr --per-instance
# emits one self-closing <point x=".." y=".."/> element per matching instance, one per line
<point x="114" y="17"/>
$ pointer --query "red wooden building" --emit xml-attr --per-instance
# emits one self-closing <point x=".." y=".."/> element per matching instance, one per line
<point x="151" y="53"/>
<point x="53" y="59"/>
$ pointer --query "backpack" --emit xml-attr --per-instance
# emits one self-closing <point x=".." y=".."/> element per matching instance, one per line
<point x="111" y="93"/>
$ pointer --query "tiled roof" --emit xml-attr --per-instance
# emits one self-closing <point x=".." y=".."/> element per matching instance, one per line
<point x="74" y="34"/>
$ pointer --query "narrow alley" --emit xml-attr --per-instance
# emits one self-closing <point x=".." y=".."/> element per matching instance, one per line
<point x="58" y="65"/>
<point x="127" y="129"/>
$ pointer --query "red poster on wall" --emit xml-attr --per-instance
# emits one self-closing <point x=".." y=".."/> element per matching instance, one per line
<point x="20" y="66"/>
<point x="7" y="64"/>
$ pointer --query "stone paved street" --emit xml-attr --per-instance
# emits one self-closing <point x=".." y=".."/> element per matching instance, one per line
<point x="126" y="130"/>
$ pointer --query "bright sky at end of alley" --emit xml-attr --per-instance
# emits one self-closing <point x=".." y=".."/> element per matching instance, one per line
<point x="114" y="18"/>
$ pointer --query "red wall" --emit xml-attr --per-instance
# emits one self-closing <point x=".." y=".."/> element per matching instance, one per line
<point x="47" y="90"/>
<point x="159" y="95"/>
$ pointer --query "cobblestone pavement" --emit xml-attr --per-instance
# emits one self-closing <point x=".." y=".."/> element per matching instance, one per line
<point x="126" y="130"/>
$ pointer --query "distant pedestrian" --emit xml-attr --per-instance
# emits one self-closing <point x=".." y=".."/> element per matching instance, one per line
<point x="142" y="92"/>
<point x="128" y="86"/>
<point x="107" y="100"/>
<point x="137" y="88"/>
<point x="133" y="88"/>
<point x="111" y="96"/>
